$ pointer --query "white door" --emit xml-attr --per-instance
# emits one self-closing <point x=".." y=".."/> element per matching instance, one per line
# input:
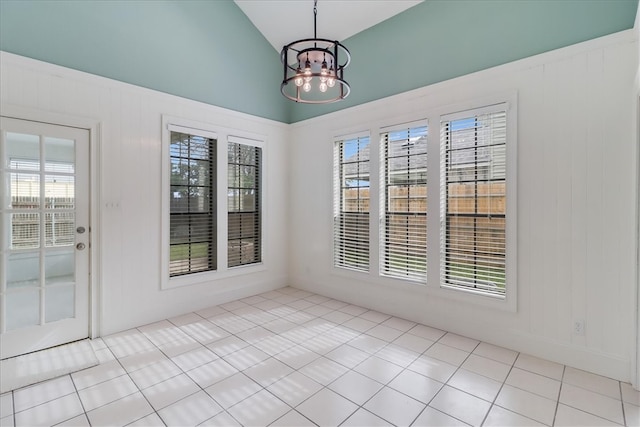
<point x="44" y="236"/>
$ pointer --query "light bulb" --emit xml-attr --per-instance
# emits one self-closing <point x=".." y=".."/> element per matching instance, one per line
<point x="323" y="72"/>
<point x="323" y="87"/>
<point x="298" y="79"/>
<point x="306" y="87"/>
<point x="307" y="72"/>
<point x="331" y="81"/>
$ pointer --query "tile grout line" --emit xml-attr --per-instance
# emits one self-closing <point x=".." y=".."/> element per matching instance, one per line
<point x="270" y="357"/>
<point x="493" y="402"/>
<point x="13" y="405"/>
<point x="127" y="373"/>
<point x="443" y="384"/>
<point x="624" y="414"/>
<point x="84" y="411"/>
<point x="456" y="371"/>
<point x="198" y="385"/>
<point x="555" y="413"/>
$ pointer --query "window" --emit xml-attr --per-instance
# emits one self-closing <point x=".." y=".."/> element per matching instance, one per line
<point x="351" y="203"/>
<point x="471" y="222"/>
<point x="192" y="204"/>
<point x="404" y="218"/>
<point x="473" y="200"/>
<point x="212" y="203"/>
<point x="244" y="210"/>
<point x="59" y="185"/>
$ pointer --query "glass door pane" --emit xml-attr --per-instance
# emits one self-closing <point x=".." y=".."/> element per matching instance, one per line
<point x="40" y="259"/>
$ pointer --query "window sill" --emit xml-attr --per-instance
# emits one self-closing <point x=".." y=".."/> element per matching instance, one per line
<point x="210" y="276"/>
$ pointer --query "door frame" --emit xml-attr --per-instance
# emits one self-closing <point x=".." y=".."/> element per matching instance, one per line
<point x="94" y="126"/>
<point x="635" y="376"/>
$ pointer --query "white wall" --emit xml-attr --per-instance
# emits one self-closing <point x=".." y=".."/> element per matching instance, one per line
<point x="126" y="241"/>
<point x="576" y="190"/>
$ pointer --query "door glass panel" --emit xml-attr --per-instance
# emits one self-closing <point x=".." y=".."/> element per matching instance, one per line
<point x="59" y="191"/>
<point x="59" y="303"/>
<point x="59" y="267"/>
<point x="25" y="230"/>
<point x="23" y="309"/>
<point x="25" y="190"/>
<point x="59" y="229"/>
<point x="22" y="151"/>
<point x="23" y="270"/>
<point x="60" y="155"/>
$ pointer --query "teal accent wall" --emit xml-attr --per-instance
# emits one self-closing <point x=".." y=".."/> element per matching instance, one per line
<point x="207" y="51"/>
<point x="438" y="40"/>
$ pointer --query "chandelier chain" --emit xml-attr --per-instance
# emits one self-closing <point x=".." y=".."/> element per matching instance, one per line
<point x="315" y="17"/>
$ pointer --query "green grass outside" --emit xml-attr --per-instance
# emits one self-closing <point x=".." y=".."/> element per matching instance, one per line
<point x="456" y="270"/>
<point x="477" y="272"/>
<point x="180" y="252"/>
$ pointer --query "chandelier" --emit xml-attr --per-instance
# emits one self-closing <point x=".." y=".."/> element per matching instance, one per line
<point x="313" y="73"/>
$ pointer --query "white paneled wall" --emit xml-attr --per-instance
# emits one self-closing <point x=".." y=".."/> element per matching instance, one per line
<point x="127" y="168"/>
<point x="577" y="198"/>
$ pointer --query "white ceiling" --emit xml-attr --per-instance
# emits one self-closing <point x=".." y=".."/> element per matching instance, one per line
<point x="283" y="21"/>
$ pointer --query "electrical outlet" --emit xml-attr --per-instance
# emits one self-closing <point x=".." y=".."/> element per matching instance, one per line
<point x="578" y="327"/>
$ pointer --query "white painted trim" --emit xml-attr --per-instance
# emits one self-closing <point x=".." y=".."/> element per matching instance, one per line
<point x="94" y="127"/>
<point x="351" y="135"/>
<point x="635" y="353"/>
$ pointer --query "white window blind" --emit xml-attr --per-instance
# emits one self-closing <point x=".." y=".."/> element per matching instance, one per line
<point x="473" y="200"/>
<point x="351" y="203"/>
<point x="404" y="220"/>
<point x="192" y="204"/>
<point x="244" y="203"/>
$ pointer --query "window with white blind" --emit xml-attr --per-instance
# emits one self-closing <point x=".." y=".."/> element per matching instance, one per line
<point x="473" y="200"/>
<point x="351" y="203"/>
<point x="244" y="203"/>
<point x="403" y="234"/>
<point x="192" y="203"/>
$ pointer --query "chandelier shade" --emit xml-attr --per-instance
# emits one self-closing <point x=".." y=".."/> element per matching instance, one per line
<point x="314" y="69"/>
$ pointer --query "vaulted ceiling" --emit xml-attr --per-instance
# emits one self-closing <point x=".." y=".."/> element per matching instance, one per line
<point x="283" y="21"/>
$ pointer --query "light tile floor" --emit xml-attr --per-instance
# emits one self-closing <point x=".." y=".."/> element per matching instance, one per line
<point x="292" y="358"/>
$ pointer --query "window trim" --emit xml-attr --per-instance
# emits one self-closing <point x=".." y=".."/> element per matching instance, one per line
<point x="222" y="134"/>
<point x="447" y="159"/>
<point x="480" y="106"/>
<point x="432" y="115"/>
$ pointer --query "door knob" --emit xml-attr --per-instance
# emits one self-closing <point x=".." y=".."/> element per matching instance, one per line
<point x="80" y="230"/>
<point x="80" y="246"/>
